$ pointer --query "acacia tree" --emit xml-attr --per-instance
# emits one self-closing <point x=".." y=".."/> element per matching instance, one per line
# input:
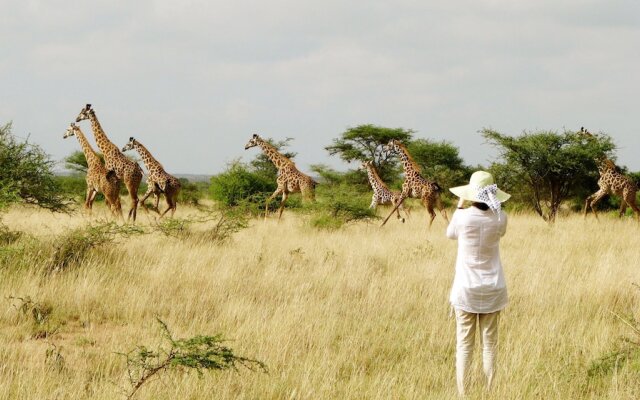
<point x="549" y="166"/>
<point x="26" y="175"/>
<point x="365" y="142"/>
<point x="440" y="161"/>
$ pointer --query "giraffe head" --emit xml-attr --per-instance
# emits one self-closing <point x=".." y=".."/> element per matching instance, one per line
<point x="254" y="141"/>
<point x="365" y="165"/>
<point x="605" y="165"/>
<point x="130" y="145"/>
<point x="84" y="113"/>
<point x="71" y="130"/>
<point x="392" y="147"/>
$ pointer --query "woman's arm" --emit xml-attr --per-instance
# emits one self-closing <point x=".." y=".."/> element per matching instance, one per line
<point x="452" y="229"/>
<point x="503" y="220"/>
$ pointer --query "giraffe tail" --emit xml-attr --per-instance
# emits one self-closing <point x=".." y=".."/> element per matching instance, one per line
<point x="111" y="176"/>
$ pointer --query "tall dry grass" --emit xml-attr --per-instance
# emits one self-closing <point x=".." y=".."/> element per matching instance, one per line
<point x="358" y="313"/>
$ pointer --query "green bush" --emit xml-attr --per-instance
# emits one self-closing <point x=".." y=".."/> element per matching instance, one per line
<point x="26" y="175"/>
<point x="338" y="205"/>
<point x="238" y="184"/>
<point x="73" y="186"/>
<point x="191" y="192"/>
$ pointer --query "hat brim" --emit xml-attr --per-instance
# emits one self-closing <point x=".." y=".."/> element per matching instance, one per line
<point x="469" y="193"/>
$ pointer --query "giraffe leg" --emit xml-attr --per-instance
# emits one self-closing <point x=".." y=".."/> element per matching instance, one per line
<point x="393" y="203"/>
<point x="132" y="188"/>
<point x="443" y="211"/>
<point x="273" y="196"/>
<point x="149" y="192"/>
<point x="630" y="199"/>
<point x="598" y="196"/>
<point x="156" y="200"/>
<point x="170" y="197"/>
<point x="406" y="210"/>
<point x="623" y="208"/>
<point x="117" y="205"/>
<point x="87" y="199"/>
<point x="175" y="201"/>
<point x="428" y="204"/>
<point x="169" y="205"/>
<point x="586" y="204"/>
<point x="374" y="203"/>
<point x="400" y="200"/>
<point x="285" y="195"/>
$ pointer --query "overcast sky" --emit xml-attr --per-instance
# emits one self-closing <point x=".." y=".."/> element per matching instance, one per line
<point x="193" y="80"/>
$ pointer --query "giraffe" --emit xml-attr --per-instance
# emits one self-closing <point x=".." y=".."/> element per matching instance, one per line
<point x="158" y="180"/>
<point x="125" y="169"/>
<point x="611" y="182"/>
<point x="290" y="180"/>
<point x="381" y="193"/>
<point x="414" y="184"/>
<point x="98" y="178"/>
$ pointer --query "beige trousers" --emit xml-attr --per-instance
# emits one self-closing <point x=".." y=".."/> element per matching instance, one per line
<point x="465" y="337"/>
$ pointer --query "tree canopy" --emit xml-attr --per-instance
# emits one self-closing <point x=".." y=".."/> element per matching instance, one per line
<point x="364" y="142"/>
<point x="439" y="161"/>
<point x="547" y="167"/>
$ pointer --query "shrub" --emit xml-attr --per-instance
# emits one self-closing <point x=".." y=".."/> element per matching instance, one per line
<point x="225" y="223"/>
<point x="190" y="192"/>
<point x="26" y="174"/>
<point x="339" y="205"/>
<point x="237" y="184"/>
<point x="72" y="248"/>
<point x="199" y="353"/>
<point x="74" y="186"/>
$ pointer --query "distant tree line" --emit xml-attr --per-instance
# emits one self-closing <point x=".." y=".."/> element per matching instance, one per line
<point x="543" y="170"/>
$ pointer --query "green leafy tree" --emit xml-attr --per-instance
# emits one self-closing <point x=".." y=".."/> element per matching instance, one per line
<point x="365" y="142"/>
<point x="548" y="167"/>
<point x="27" y="174"/>
<point x="440" y="161"/>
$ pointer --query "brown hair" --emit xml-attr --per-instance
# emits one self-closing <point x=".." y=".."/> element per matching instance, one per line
<point x="480" y="205"/>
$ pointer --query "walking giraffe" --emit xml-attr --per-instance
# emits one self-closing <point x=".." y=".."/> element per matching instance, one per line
<point x="158" y="180"/>
<point x="381" y="193"/>
<point x="290" y="180"/>
<point x="125" y="169"/>
<point x="415" y="185"/>
<point x="611" y="182"/>
<point x="98" y="178"/>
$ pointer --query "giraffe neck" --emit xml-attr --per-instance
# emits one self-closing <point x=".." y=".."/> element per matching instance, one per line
<point x="276" y="158"/>
<point x="149" y="161"/>
<point x="407" y="163"/>
<point x="92" y="158"/>
<point x="103" y="142"/>
<point x="374" y="178"/>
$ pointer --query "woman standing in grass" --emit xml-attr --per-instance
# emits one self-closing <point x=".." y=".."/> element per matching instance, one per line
<point x="479" y="291"/>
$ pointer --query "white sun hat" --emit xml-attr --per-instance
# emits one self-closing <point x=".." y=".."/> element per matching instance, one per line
<point x="482" y="188"/>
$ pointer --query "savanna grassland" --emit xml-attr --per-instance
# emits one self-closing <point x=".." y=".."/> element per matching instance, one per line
<point x="355" y="313"/>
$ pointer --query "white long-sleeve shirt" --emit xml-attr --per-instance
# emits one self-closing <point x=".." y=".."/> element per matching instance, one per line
<point x="479" y="285"/>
